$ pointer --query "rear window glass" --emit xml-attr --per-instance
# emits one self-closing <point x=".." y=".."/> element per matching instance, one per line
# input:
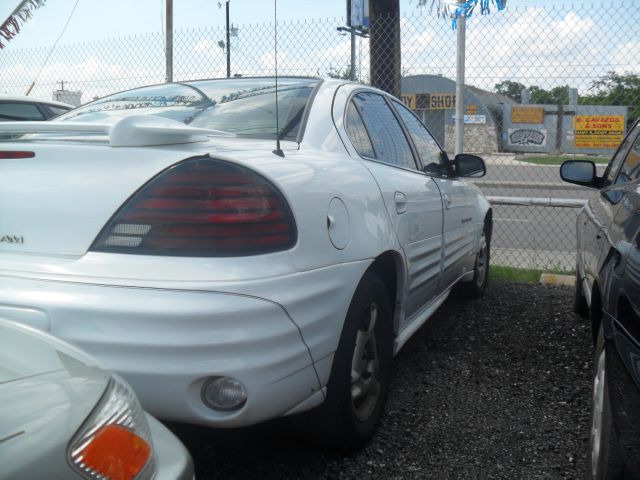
<point x="58" y="110"/>
<point x="245" y="107"/>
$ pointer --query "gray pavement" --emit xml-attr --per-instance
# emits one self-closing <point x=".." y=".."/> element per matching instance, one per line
<point x="531" y="236"/>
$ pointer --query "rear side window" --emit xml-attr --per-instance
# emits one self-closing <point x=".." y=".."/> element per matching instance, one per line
<point x="428" y="149"/>
<point x="387" y="137"/>
<point x="11" y="112"/>
<point x="358" y="133"/>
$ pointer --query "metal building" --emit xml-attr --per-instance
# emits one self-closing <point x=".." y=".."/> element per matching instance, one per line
<point x="432" y="98"/>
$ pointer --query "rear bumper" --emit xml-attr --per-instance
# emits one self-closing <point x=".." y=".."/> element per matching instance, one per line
<point x="275" y="335"/>
<point x="167" y="343"/>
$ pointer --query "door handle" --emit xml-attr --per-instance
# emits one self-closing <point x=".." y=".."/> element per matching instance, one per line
<point x="401" y="202"/>
<point x="446" y="198"/>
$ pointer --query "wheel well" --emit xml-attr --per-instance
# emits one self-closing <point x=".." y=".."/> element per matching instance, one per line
<point x="389" y="267"/>
<point x="595" y="311"/>
<point x="488" y="220"/>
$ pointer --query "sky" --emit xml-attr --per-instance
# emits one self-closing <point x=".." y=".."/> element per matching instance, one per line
<point x="115" y="45"/>
<point x="92" y="19"/>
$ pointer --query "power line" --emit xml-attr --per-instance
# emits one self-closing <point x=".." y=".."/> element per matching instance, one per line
<point x="53" y="47"/>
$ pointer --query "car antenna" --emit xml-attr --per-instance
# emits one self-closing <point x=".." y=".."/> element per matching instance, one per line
<point x="278" y="151"/>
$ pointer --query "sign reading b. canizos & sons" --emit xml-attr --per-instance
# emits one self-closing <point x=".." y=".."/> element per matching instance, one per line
<point x="598" y="131"/>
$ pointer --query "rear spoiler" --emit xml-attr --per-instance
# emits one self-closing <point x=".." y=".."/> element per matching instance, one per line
<point x="133" y="131"/>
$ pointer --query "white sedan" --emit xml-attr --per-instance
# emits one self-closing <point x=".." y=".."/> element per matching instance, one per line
<point x="231" y="276"/>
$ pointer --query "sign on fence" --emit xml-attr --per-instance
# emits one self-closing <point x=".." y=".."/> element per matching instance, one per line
<point x="471" y="119"/>
<point x="527" y="115"/>
<point x="598" y="131"/>
<point x="527" y="137"/>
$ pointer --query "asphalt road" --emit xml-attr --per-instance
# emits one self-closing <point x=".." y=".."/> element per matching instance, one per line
<point x="539" y="237"/>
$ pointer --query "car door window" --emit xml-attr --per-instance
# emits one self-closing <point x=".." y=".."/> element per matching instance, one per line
<point x="612" y="170"/>
<point x="623" y="166"/>
<point x="358" y="133"/>
<point x="630" y="169"/>
<point x="428" y="149"/>
<point x="10" y="112"/>
<point x="386" y="135"/>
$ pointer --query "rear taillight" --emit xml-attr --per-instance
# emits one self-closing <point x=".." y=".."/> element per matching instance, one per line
<point x="16" y="154"/>
<point x="202" y="207"/>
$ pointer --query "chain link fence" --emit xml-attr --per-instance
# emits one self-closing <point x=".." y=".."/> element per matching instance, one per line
<point x="543" y="84"/>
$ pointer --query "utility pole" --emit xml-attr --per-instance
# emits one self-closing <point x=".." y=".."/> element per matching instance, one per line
<point x="384" y="46"/>
<point x="353" y="54"/>
<point x="459" y="130"/>
<point x="228" y="43"/>
<point x="354" y="32"/>
<point x="168" y="51"/>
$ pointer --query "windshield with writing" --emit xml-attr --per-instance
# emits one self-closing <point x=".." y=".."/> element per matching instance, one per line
<point x="246" y="107"/>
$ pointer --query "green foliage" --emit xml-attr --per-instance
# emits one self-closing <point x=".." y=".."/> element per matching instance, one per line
<point x="344" y="74"/>
<point x="513" y="90"/>
<point x="510" y="89"/>
<point x="524" y="275"/>
<point x="616" y="89"/>
<point x="555" y="96"/>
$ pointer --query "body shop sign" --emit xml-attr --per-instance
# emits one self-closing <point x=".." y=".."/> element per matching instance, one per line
<point x="599" y="131"/>
<point x="526" y="137"/>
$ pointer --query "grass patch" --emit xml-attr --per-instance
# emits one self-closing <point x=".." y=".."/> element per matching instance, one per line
<point x="557" y="160"/>
<point x="521" y="275"/>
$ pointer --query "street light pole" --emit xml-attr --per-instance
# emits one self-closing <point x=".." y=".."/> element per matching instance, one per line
<point x="459" y="130"/>
<point x="228" y="43"/>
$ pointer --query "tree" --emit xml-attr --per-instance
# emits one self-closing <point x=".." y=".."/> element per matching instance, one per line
<point x="510" y="89"/>
<point x="616" y="89"/>
<point x="344" y="74"/>
<point x="555" y="96"/>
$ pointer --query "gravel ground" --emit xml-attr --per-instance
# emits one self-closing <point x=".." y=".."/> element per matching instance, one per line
<point x="493" y="388"/>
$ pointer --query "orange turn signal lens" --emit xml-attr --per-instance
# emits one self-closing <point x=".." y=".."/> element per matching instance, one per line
<point x="116" y="452"/>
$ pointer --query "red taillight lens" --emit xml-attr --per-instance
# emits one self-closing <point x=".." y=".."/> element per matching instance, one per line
<point x="202" y="207"/>
<point x="16" y="154"/>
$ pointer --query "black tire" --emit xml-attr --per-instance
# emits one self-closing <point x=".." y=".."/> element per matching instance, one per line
<point x="580" y="305"/>
<point x="351" y="413"/>
<point x="476" y="287"/>
<point x="604" y="459"/>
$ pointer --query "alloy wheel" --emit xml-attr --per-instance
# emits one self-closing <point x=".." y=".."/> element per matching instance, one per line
<point x="481" y="261"/>
<point x="365" y="366"/>
<point x="598" y="406"/>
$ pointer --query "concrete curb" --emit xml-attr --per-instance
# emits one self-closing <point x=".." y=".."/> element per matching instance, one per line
<point x="553" y="279"/>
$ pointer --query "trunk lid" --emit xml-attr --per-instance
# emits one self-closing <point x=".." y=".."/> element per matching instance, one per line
<point x="56" y="202"/>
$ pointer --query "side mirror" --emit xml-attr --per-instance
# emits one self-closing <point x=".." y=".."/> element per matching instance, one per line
<point x="466" y="165"/>
<point x="580" y="172"/>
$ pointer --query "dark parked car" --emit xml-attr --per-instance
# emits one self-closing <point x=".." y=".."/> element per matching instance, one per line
<point x="608" y="292"/>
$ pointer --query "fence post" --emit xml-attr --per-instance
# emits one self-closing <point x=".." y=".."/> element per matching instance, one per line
<point x="168" y="49"/>
<point x="459" y="130"/>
